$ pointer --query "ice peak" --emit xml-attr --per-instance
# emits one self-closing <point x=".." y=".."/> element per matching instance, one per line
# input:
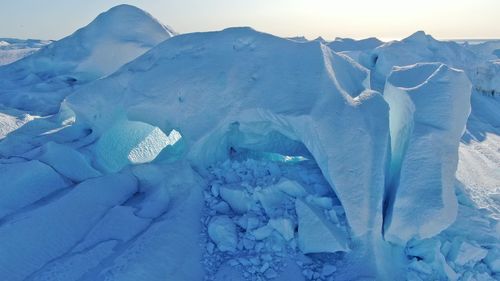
<point x="125" y="8"/>
<point x="128" y="20"/>
<point x="419" y="36"/>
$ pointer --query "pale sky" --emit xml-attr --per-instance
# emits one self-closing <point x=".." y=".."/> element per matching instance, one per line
<point x="386" y="19"/>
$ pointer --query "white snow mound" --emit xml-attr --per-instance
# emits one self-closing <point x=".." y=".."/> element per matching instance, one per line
<point x="39" y="82"/>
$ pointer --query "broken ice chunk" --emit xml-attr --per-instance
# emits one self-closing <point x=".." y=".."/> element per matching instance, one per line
<point x="291" y="188"/>
<point x="262" y="233"/>
<point x="248" y="222"/>
<point x="222" y="207"/>
<point x="493" y="260"/>
<point x="284" y="226"/>
<point x="237" y="198"/>
<point x="316" y="234"/>
<point x="328" y="269"/>
<point x="322" y="202"/>
<point x="463" y="253"/>
<point x="272" y="201"/>
<point x="222" y="231"/>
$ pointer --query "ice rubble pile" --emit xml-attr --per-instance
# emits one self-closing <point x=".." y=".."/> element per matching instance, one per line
<point x="261" y="212"/>
<point x="296" y="169"/>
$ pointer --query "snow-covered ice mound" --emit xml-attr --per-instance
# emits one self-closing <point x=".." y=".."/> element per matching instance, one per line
<point x="39" y="82"/>
<point x="355" y="49"/>
<point x="417" y="48"/>
<point x="236" y="88"/>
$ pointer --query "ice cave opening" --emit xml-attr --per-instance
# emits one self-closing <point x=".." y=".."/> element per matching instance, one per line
<point x="133" y="142"/>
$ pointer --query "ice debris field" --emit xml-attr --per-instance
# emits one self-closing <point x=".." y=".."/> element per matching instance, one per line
<point x="131" y="152"/>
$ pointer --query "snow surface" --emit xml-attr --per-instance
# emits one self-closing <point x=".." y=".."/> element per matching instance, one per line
<point x="239" y="155"/>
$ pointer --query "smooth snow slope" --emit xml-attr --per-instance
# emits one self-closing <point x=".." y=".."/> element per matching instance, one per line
<point x="39" y="82"/>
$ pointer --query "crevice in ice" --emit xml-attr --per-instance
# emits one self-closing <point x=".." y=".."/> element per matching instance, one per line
<point x="401" y="127"/>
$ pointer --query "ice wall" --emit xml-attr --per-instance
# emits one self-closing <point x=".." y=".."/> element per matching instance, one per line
<point x="429" y="105"/>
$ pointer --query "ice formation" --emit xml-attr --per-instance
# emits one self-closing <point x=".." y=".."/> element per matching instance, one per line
<point x="429" y="104"/>
<point x="131" y="142"/>
<point x="258" y="114"/>
<point x="239" y="155"/>
<point x="96" y="50"/>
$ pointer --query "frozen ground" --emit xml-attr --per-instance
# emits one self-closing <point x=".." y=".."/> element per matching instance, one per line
<point x="128" y="152"/>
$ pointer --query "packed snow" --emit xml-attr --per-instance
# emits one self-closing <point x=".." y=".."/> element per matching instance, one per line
<point x="130" y="152"/>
